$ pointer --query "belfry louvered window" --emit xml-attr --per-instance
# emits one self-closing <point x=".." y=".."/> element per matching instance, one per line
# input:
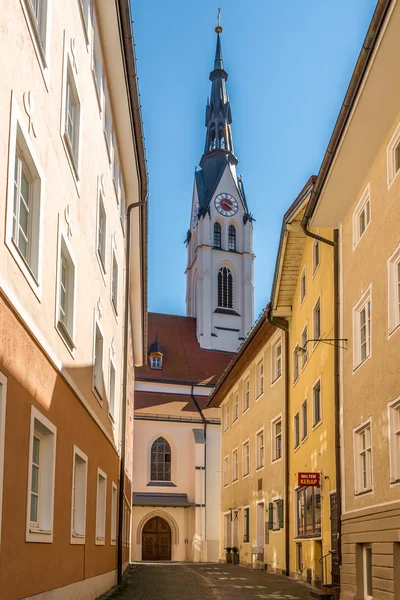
<point x="217" y="235"/>
<point x="232" y="238"/>
<point x="225" y="288"/>
<point x="161" y="460"/>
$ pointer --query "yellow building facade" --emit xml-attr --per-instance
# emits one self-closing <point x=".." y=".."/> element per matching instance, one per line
<point x="303" y="297"/>
<point x="251" y="393"/>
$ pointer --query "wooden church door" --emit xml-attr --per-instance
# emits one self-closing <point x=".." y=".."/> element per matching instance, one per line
<point x="156" y="540"/>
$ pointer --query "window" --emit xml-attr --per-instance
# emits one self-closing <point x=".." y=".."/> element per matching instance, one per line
<point x="260" y="449"/>
<point x="42" y="453"/>
<point x="156" y="362"/>
<point x="108" y="123"/>
<point x="367" y="571"/>
<point x="236" y="407"/>
<point x="246" y="395"/>
<point x="25" y="189"/>
<point x="98" y="362"/>
<point x="246" y="524"/>
<point x="101" y="507"/>
<point x="276" y="427"/>
<point x="217" y="235"/>
<point x="85" y="9"/>
<point x="315" y="255"/>
<point x="101" y="232"/>
<point x="362" y="329"/>
<point x="304" y="413"/>
<point x="304" y="339"/>
<point x="363" y="459"/>
<point x="276" y="361"/>
<point x="394" y="440"/>
<point x="114" y="508"/>
<point x="317" y="321"/>
<point x="393" y="156"/>
<point x="232" y="238"/>
<point x="303" y="289"/>
<point x="361" y="216"/>
<point x="317" y="409"/>
<point x="37" y="15"/>
<point x="79" y="487"/>
<point x="235" y="465"/>
<point x="111" y="391"/>
<point x="97" y="61"/>
<point x="299" y="558"/>
<point x="226" y="466"/>
<point x="260" y="378"/>
<point x="225" y="288"/>
<point x="114" y="284"/>
<point x="66" y="294"/>
<point x="394" y="289"/>
<point x="295" y="365"/>
<point x="308" y="511"/>
<point x="72" y="118"/>
<point x="296" y="427"/>
<point x="246" y="458"/>
<point x="160" y="460"/>
<point x="226" y="415"/>
<point x="275" y="514"/>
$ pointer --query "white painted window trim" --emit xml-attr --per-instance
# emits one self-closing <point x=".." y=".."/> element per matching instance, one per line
<point x="295" y="362"/>
<point x="94" y="389"/>
<point x="314" y="266"/>
<point x="18" y="130"/>
<point x="98" y="85"/>
<point x="365" y="297"/>
<point x="112" y="414"/>
<point x="246" y="443"/>
<point x="235" y="415"/>
<point x="296" y="446"/>
<point x="42" y="51"/>
<point x="275" y="509"/>
<point x="303" y="274"/>
<point x="393" y="292"/>
<point x="38" y="534"/>
<point x="247" y="507"/>
<point x="314" y="335"/>
<point x="260" y="389"/>
<point x="114" y="513"/>
<point x="102" y="261"/>
<point x="362" y="203"/>
<point x="85" y="11"/>
<point x="235" y="451"/>
<point x="100" y="540"/>
<point x="68" y="335"/>
<point x="114" y="305"/>
<point x="225" y="474"/>
<point x="3" y="401"/>
<point x="259" y="468"/>
<point x="277" y="419"/>
<point x="74" y="161"/>
<point x="78" y="538"/>
<point x="303" y="438"/>
<point x="108" y="124"/>
<point x="315" y="425"/>
<point x="358" y="490"/>
<point x="246" y="379"/>
<point x="274" y="371"/>
<point x="391" y="157"/>
<point x="307" y="354"/>
<point x="394" y="458"/>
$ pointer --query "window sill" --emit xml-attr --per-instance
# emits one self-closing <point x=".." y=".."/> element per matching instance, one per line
<point x="315" y="270"/>
<point x="393" y="330"/>
<point x="37" y="42"/>
<point x="161" y="484"/>
<point x="304" y="439"/>
<point x="111" y="419"/>
<point x="77" y="539"/>
<point x="25" y="269"/>
<point x="115" y="311"/>
<point x="316" y="425"/>
<point x="71" y="161"/>
<point x="296" y="447"/>
<point x="246" y="476"/>
<point x="41" y="536"/>
<point x="101" y="266"/>
<point x="309" y="536"/>
<point x="364" y="492"/>
<point x="245" y="410"/>
<point x="276" y="460"/>
<point x="274" y="381"/>
<point x="226" y="311"/>
<point x="235" y="420"/>
<point x="113" y="542"/>
<point x="98" y="92"/>
<point x="98" y="396"/>
<point x="395" y="481"/>
<point x="108" y="147"/>
<point x="259" y="469"/>
<point x="100" y="541"/>
<point x="66" y="338"/>
<point x="360" y="364"/>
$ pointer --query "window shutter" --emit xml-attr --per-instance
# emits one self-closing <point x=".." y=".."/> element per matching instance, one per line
<point x="280" y="513"/>
<point x="270" y="515"/>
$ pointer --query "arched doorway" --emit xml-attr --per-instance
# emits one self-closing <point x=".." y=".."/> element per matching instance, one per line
<point x="156" y="540"/>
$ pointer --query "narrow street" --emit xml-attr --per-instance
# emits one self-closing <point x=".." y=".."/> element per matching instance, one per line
<point x="178" y="581"/>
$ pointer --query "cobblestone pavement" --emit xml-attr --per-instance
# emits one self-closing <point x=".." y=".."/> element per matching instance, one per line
<point x="186" y="581"/>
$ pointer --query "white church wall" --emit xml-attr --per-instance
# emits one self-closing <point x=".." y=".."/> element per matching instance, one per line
<point x="213" y="491"/>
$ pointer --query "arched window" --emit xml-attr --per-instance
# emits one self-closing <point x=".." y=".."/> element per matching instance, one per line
<point x="217" y="235"/>
<point x="221" y="136"/>
<point x="160" y="460"/>
<point x="225" y="288"/>
<point x="232" y="238"/>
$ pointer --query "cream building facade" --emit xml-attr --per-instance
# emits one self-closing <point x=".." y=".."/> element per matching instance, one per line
<point x="360" y="198"/>
<point x="71" y="161"/>
<point x="252" y="397"/>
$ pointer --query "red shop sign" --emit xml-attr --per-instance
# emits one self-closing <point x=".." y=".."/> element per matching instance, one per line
<point x="313" y="479"/>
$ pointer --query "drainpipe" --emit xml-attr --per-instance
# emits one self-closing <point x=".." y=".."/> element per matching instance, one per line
<point x="284" y="325"/>
<point x="124" y="387"/>
<point x="336" y="334"/>
<point x="205" y="422"/>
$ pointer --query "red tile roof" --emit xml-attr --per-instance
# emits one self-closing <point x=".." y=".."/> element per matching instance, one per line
<point x="183" y="359"/>
<point x="179" y="406"/>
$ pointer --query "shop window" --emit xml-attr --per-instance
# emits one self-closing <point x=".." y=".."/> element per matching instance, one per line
<point x="308" y="511"/>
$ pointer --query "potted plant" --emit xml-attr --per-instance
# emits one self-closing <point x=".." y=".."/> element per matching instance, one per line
<point x="228" y="554"/>
<point x="235" y="551"/>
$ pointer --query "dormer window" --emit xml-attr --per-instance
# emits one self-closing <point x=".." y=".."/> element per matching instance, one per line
<point x="156" y="362"/>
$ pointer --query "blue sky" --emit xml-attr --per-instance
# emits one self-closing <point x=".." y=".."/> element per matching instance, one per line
<point x="289" y="64"/>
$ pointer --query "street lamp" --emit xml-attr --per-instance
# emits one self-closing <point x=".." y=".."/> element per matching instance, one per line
<point x="340" y="342"/>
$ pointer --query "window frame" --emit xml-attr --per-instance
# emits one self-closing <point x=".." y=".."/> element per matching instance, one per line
<point x="316" y="532"/>
<point x="217" y="233"/>
<point x="235" y="414"/>
<point x="303" y="343"/>
<point x="232" y="238"/>
<point x="235" y="465"/>
<point x="260" y="464"/>
<point x="303" y="285"/>
<point x="227" y="294"/>
<point x="357" y="309"/>
<point x="246" y="393"/>
<point x="316" y="254"/>
<point x="274" y="439"/>
<point x="259" y="378"/>
<point x="225" y="471"/>
<point x="114" y="514"/>
<point x="67" y="332"/>
<point x="391" y="149"/>
<point x="393" y="266"/>
<point x="394" y="440"/>
<point x="245" y="473"/>
<point x="164" y="479"/>
<point x="41" y="534"/>
<point x="226" y="415"/>
<point x="361" y="207"/>
<point x="112" y="405"/>
<point x="101" y="232"/>
<point x="317" y="334"/>
<point x="77" y="537"/>
<point x="97" y="61"/>
<point x="114" y="282"/>
<point x="296" y="430"/>
<point x="100" y="535"/>
<point x="314" y="416"/>
<point x="85" y="11"/>
<point x="40" y="35"/>
<point x="275" y="372"/>
<point x="359" y="489"/>
<point x="72" y="147"/>
<point x="20" y="138"/>
<point x="246" y="524"/>
<point x="98" y="393"/>
<point x="304" y="428"/>
<point x="296" y="369"/>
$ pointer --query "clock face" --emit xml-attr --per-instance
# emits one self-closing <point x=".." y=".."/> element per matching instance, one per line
<point x="195" y="216"/>
<point x="226" y="205"/>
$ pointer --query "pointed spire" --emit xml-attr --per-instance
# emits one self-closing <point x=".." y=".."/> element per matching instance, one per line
<point x="218" y="62"/>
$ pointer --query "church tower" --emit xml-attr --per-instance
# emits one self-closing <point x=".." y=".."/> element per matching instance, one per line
<point x="219" y="274"/>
